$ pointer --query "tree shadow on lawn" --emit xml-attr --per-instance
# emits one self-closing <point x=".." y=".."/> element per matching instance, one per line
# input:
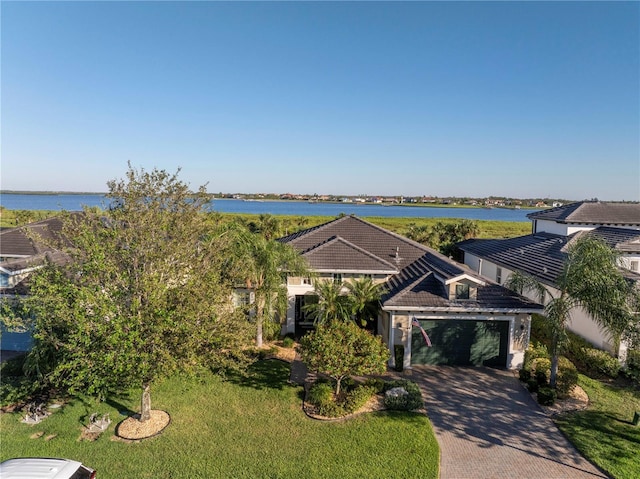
<point x="608" y="428"/>
<point x="263" y="374"/>
<point x="121" y="408"/>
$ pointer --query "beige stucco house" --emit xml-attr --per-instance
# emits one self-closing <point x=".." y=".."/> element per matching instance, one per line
<point x="468" y="319"/>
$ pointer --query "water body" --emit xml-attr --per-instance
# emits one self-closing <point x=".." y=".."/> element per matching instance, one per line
<point x="57" y="202"/>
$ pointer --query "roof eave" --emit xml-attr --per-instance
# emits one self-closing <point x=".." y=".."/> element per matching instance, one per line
<point x="437" y="309"/>
<point x="355" y="271"/>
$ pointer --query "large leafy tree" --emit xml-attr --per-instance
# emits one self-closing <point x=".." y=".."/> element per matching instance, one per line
<point x="141" y="294"/>
<point x="341" y="348"/>
<point x="263" y="266"/>
<point x="590" y="279"/>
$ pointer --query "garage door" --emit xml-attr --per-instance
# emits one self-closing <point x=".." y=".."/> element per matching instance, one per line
<point x="461" y="343"/>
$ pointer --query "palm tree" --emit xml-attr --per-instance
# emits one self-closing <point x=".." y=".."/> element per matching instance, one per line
<point x="332" y="305"/>
<point x="365" y="299"/>
<point x="590" y="279"/>
<point x="264" y="265"/>
<point x="267" y="225"/>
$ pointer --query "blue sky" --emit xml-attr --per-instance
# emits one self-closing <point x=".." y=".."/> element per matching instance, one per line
<point x="520" y="99"/>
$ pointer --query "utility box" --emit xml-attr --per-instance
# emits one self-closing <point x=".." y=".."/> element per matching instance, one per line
<point x="636" y="418"/>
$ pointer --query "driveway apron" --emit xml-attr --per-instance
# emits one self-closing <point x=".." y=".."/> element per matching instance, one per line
<point x="488" y="426"/>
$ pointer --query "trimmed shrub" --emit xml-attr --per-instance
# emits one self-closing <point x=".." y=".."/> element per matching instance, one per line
<point x="376" y="384"/>
<point x="547" y="396"/>
<point x="327" y="404"/>
<point x="541" y="369"/>
<point x="357" y="397"/>
<point x="524" y="375"/>
<point x="534" y="351"/>
<point x="288" y="342"/>
<point x="320" y="393"/>
<point x="567" y="377"/>
<point x="632" y="371"/>
<point x="601" y="362"/>
<point x="589" y="359"/>
<point x="409" y="402"/>
<point x="532" y="385"/>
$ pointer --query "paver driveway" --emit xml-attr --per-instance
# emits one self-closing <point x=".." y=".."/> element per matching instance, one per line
<point x="488" y="426"/>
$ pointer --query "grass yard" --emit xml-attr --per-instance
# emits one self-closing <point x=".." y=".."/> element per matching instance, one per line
<point x="249" y="427"/>
<point x="604" y="433"/>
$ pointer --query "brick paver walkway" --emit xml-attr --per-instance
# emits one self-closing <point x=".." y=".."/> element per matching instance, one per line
<point x="488" y="426"/>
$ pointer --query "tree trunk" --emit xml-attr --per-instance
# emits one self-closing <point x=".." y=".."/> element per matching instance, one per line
<point x="145" y="406"/>
<point x="259" y="334"/>
<point x="259" y="313"/>
<point x="554" y="361"/>
<point x="338" y="386"/>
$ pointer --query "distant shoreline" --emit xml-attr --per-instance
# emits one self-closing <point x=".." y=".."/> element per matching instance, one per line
<point x="251" y="198"/>
<point x="85" y="193"/>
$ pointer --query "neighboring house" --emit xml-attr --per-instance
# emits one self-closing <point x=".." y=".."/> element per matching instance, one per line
<point x="542" y="253"/>
<point x="468" y="320"/>
<point x="20" y="255"/>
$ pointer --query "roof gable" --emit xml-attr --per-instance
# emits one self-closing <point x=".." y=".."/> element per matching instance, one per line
<point x="387" y="246"/>
<point x="339" y="255"/>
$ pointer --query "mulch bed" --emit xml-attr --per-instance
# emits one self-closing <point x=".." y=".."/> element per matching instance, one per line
<point x="133" y="430"/>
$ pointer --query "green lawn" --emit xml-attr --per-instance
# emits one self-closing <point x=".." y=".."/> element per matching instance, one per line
<point x="603" y="432"/>
<point x="242" y="428"/>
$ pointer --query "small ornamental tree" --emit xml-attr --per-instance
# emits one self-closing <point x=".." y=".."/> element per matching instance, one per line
<point x="341" y="348"/>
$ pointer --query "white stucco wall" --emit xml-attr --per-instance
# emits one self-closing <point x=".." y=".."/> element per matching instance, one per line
<point x="569" y="229"/>
<point x="627" y="259"/>
<point x="486" y="268"/>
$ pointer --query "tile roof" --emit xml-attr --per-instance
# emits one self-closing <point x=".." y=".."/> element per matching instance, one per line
<point x="542" y="255"/>
<point x="417" y="273"/>
<point x="591" y="212"/>
<point x="385" y="245"/>
<point x="339" y="255"/>
<point x="623" y="239"/>
<point x="17" y="241"/>
<point x="418" y="287"/>
<point x="22" y="250"/>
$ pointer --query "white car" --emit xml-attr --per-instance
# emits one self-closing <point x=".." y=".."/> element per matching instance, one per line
<point x="44" y="468"/>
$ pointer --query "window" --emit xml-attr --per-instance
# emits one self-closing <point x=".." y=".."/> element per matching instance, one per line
<point x="4" y="280"/>
<point x="337" y="277"/>
<point x="242" y="298"/>
<point x="307" y="281"/>
<point x="462" y="291"/>
<point x="634" y="266"/>
<point x="499" y="275"/>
